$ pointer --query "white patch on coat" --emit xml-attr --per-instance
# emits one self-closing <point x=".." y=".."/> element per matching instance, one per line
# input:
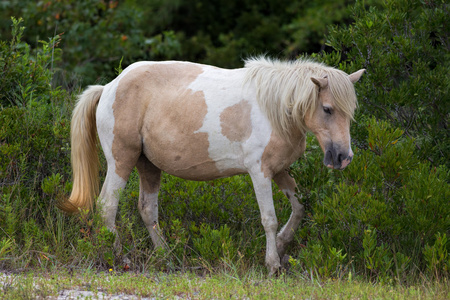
<point x="222" y="89"/>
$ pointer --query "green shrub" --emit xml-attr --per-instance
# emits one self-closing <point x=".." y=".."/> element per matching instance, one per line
<point x="119" y="30"/>
<point x="216" y="32"/>
<point x="193" y="214"/>
<point x="214" y="244"/>
<point x="377" y="259"/>
<point x="386" y="216"/>
<point x="436" y="256"/>
<point x="320" y="261"/>
<point x="27" y="74"/>
<point x="387" y="207"/>
<point x="34" y="134"/>
<point x="6" y="246"/>
<point x="404" y="47"/>
<point x="97" y="242"/>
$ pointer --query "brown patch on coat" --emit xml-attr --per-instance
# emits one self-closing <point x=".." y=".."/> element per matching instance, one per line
<point x="236" y="122"/>
<point x="156" y="113"/>
<point x="149" y="175"/>
<point x="127" y="109"/>
<point x="285" y="181"/>
<point x="280" y="154"/>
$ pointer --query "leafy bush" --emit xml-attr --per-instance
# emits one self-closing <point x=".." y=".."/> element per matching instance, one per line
<point x="404" y="47"/>
<point x="34" y="123"/>
<point x="97" y="242"/>
<point x="319" y="260"/>
<point x="117" y="29"/>
<point x="387" y="207"/>
<point x="436" y="256"/>
<point x="386" y="216"/>
<point x="217" y="32"/>
<point x="207" y="219"/>
<point x="27" y="75"/>
<point x="34" y="145"/>
<point x="214" y="244"/>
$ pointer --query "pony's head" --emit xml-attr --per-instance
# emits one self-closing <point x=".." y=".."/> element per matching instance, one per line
<point x="302" y="95"/>
<point x="330" y="118"/>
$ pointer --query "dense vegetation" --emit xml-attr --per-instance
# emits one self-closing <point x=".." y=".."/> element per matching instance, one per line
<point x="386" y="217"/>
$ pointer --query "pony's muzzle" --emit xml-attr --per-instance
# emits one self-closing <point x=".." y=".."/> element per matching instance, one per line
<point x="337" y="159"/>
<point x="346" y="162"/>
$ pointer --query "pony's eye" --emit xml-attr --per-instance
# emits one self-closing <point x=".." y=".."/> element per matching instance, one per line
<point x="327" y="110"/>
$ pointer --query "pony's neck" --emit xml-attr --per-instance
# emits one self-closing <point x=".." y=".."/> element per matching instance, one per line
<point x="295" y="137"/>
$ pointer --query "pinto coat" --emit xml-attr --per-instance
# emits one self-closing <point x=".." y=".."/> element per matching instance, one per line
<point x="200" y="122"/>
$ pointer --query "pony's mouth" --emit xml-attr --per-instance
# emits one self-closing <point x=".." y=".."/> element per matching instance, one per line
<point x="346" y="162"/>
<point x="337" y="159"/>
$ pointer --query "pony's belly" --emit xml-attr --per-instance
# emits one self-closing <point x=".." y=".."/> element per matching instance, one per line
<point x="191" y="158"/>
<point x="203" y="173"/>
<point x="194" y="168"/>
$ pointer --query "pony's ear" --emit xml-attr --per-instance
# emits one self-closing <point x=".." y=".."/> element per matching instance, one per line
<point x="320" y="82"/>
<point x="354" y="77"/>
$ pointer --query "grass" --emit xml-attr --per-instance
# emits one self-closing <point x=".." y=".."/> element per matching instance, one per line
<point x="219" y="285"/>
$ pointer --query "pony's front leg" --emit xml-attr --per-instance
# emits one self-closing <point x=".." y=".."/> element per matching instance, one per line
<point x="263" y="191"/>
<point x="287" y="184"/>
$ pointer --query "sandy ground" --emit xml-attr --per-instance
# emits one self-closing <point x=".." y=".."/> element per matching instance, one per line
<point x="76" y="294"/>
<point x="6" y="280"/>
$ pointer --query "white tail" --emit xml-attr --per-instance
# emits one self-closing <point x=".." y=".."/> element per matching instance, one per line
<point x="84" y="155"/>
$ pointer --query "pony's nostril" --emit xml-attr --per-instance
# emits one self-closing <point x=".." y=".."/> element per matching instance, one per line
<point x="328" y="156"/>
<point x="340" y="158"/>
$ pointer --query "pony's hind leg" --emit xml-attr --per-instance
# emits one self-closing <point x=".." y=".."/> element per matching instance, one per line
<point x="150" y="179"/>
<point x="120" y="165"/>
<point x="287" y="184"/>
<point x="113" y="185"/>
<point x="109" y="197"/>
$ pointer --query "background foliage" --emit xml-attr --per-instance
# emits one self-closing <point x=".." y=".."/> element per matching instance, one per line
<point x="386" y="217"/>
<point x="96" y="34"/>
<point x="404" y="45"/>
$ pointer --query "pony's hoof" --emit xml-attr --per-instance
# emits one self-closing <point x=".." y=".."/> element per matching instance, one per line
<point x="275" y="271"/>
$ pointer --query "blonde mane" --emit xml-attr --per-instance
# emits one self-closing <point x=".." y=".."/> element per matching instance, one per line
<point x="286" y="93"/>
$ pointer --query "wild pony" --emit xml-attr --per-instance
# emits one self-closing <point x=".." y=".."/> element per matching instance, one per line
<point x="200" y="122"/>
